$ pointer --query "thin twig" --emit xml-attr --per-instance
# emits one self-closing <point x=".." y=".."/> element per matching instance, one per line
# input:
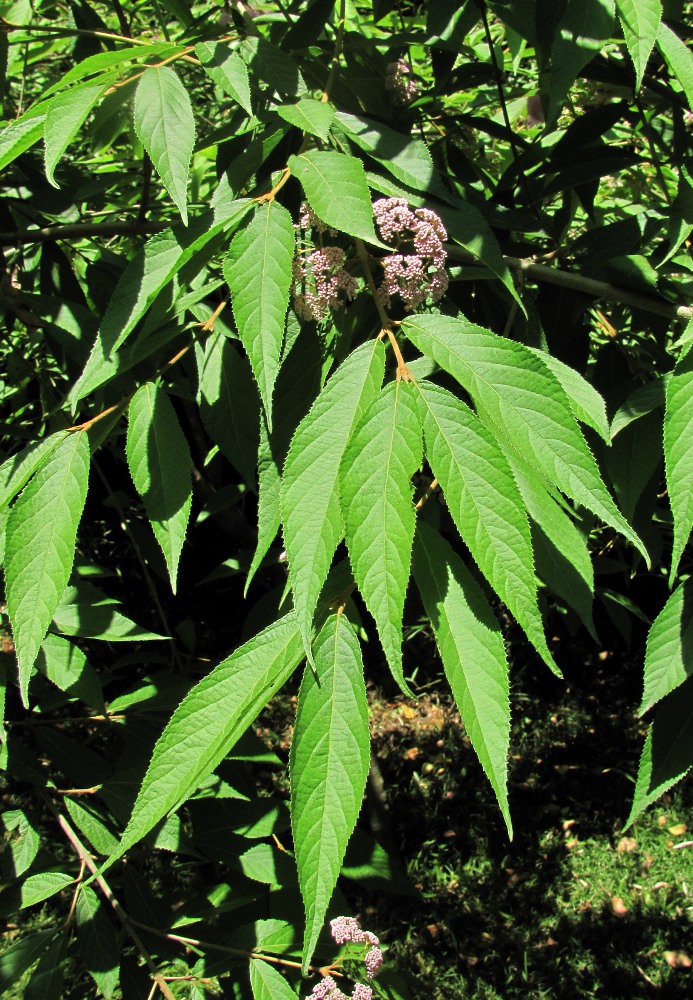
<point x="77" y="230"/>
<point x="430" y="490"/>
<point x="337" y="52"/>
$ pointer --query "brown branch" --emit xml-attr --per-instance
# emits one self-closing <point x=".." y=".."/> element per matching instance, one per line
<point x="334" y="63"/>
<point x="76" y="230"/>
<point x="579" y="283"/>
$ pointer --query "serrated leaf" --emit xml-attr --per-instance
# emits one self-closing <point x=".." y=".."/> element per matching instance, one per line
<point x="376" y="494"/>
<point x="42" y="886"/>
<point x="258" y="272"/>
<point x="310" y="504"/>
<point x="40" y="547"/>
<point x="229" y="405"/>
<point x="164" y="123"/>
<point x="586" y="403"/>
<point x="583" y="29"/>
<point x="328" y="763"/>
<point x="523" y="402"/>
<point x="640" y="402"/>
<point x="98" y="942"/>
<point x="65" y="116"/>
<point x="680" y="215"/>
<point x="22" y="847"/>
<point x="147" y="274"/>
<point x="267" y="983"/>
<point x="17" y="470"/>
<point x="199" y="736"/>
<point x="21" y="955"/>
<point x="336" y="189"/>
<point x="640" y="21"/>
<point x="160" y="464"/>
<point x="228" y="71"/>
<point x="677" y="56"/>
<point x="668" y="752"/>
<point x="678" y="456"/>
<point x="18" y="136"/>
<point x="48" y="976"/>
<point x="485" y="504"/>
<point x="107" y="60"/>
<point x="669" y="653"/>
<point x="311" y="116"/>
<point x="473" y="653"/>
<point x="66" y="666"/>
<point x="633" y="459"/>
<point x="90" y="823"/>
<point x="86" y="614"/>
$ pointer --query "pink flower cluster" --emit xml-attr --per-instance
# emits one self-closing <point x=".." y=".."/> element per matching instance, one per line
<point x="327" y="989"/>
<point x="345" y="930"/>
<point x="399" y="82"/>
<point x="419" y="274"/>
<point x="321" y="283"/>
<point x="308" y="220"/>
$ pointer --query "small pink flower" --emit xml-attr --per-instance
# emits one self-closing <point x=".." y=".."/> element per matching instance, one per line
<point x="373" y="962"/>
<point x="362" y="992"/>
<point x="399" y="83"/>
<point x="326" y="284"/>
<point x="418" y="274"/>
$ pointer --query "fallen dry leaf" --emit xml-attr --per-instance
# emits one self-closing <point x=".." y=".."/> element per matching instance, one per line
<point x="618" y="907"/>
<point x="678" y="830"/>
<point x="678" y="959"/>
<point x="662" y="821"/>
<point x="626" y="845"/>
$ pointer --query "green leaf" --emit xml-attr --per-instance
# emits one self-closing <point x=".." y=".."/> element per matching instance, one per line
<point x="585" y="402"/>
<point x="85" y="612"/>
<point x="229" y="405"/>
<point x="160" y="465"/>
<point x="632" y="461"/>
<point x="376" y="493"/>
<point x="40" y="547"/>
<point x="21" y="955"/>
<point x="640" y="21"/>
<point x="583" y="29"/>
<point x="22" y="847"/>
<point x="147" y="274"/>
<point x="164" y="122"/>
<point x="473" y="653"/>
<point x="523" y="402"/>
<point x="485" y="505"/>
<point x="310" y="503"/>
<point x="678" y="456"/>
<point x="228" y="71"/>
<point x="19" y="136"/>
<point x="91" y="824"/>
<point x="337" y="191"/>
<point x="66" y="666"/>
<point x="258" y="272"/>
<point x="677" y="56"/>
<point x="669" y="653"/>
<point x="48" y="976"/>
<point x="267" y="983"/>
<point x="65" y="116"/>
<point x="468" y="227"/>
<point x="680" y="216"/>
<point x="98" y="942"/>
<point x="639" y="403"/>
<point x="311" y="116"/>
<point x="106" y="60"/>
<point x="668" y="752"/>
<point x="36" y="888"/>
<point x="199" y="736"/>
<point x="17" y="470"/>
<point x="329" y="759"/>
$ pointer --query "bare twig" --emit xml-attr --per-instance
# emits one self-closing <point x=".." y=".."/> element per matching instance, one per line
<point x="77" y="230"/>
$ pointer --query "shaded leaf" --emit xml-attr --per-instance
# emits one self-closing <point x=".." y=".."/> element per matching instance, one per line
<point x="66" y="666"/>
<point x="228" y="71"/>
<point x="98" y="942"/>
<point x="669" y="653"/>
<point x="678" y="456"/>
<point x="584" y="27"/>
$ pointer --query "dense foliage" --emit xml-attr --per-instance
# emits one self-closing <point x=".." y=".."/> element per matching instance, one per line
<point x="305" y="300"/>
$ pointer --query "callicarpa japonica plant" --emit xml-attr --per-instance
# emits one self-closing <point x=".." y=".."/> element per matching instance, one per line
<point x="339" y="337"/>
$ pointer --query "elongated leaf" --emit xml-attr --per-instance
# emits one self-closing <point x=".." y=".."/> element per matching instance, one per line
<point x="106" y="60"/>
<point x="678" y="57"/>
<point x="473" y="653"/>
<point x="199" y="735"/>
<point x="66" y="666"/>
<point x="98" y="941"/>
<point x="585" y="402"/>
<point x="680" y="217"/>
<point x="258" y="272"/>
<point x="310" y="504"/>
<point x="165" y="124"/>
<point x="485" y="505"/>
<point x="678" y="456"/>
<point x="36" y="888"/>
<point x="269" y="984"/>
<point x="336" y="189"/>
<point x="470" y="229"/>
<point x="640" y="21"/>
<point x="21" y="955"/>
<point x="641" y="401"/>
<point x="160" y="465"/>
<point x="524" y="403"/>
<point x="16" y="471"/>
<point x="18" y="136"/>
<point x="149" y="272"/>
<point x="668" y="752"/>
<point x="22" y="847"/>
<point x="311" y="116"/>
<point x="584" y="27"/>
<point x="376" y="492"/>
<point x="86" y="612"/>
<point x="669" y="654"/>
<point x="229" y="405"/>
<point x="228" y="71"/>
<point x="330" y="753"/>
<point x="48" y="976"/>
<point x="40" y="548"/>
<point x="65" y="116"/>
